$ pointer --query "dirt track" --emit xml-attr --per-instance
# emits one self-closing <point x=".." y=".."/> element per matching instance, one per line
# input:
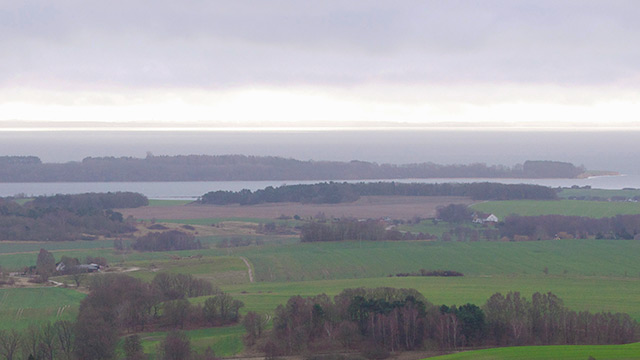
<point x="395" y="207"/>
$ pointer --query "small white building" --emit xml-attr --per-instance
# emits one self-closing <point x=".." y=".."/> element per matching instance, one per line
<point x="491" y="218"/>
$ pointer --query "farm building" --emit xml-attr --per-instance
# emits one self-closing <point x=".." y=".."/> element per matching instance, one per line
<point x="481" y="220"/>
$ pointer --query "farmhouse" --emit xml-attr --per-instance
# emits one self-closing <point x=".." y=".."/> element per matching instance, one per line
<point x="482" y="220"/>
<point x="60" y="267"/>
<point x="491" y="218"/>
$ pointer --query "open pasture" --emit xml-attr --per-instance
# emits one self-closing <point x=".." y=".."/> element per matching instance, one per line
<point x="218" y="270"/>
<point x="397" y="207"/>
<point x="559" y="352"/>
<point x="168" y="202"/>
<point x="594" y="209"/>
<point x="602" y="193"/>
<point x="352" y="259"/>
<point x="20" y="307"/>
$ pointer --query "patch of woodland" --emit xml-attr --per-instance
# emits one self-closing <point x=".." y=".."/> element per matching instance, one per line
<point x="547" y="227"/>
<point x="542" y="227"/>
<point x="333" y="193"/>
<point x="423" y="272"/>
<point x="67" y="217"/>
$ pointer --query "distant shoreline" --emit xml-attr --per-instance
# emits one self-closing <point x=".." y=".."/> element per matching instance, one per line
<point x="261" y="168"/>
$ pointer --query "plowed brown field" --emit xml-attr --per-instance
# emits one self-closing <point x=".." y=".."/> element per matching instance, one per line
<point x="395" y="207"/>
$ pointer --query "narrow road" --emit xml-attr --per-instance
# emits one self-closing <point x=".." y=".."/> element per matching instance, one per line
<point x="246" y="262"/>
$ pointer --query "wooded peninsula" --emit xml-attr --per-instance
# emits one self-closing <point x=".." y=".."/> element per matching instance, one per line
<point x="257" y="168"/>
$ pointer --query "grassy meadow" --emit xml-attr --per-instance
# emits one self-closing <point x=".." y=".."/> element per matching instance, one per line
<point x="602" y="193"/>
<point x="594" y="209"/>
<point x="352" y="259"/>
<point x="20" y="307"/>
<point x="560" y="352"/>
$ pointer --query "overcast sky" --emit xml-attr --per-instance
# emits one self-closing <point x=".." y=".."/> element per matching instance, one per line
<point x="320" y="62"/>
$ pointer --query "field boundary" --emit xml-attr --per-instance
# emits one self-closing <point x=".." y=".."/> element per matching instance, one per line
<point x="248" y="268"/>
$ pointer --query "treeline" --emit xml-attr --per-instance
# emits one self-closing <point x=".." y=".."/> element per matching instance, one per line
<point x="512" y="228"/>
<point x="423" y="272"/>
<point x="66" y="217"/>
<point x="546" y="227"/>
<point x="351" y="229"/>
<point x="332" y="192"/>
<point x="550" y="169"/>
<point x="383" y="320"/>
<point x="240" y="167"/>
<point x="164" y="241"/>
<point x="91" y="202"/>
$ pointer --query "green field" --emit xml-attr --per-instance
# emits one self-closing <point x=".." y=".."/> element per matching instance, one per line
<point x="562" y="352"/>
<point x="225" y="341"/>
<point x="595" y="209"/>
<point x="342" y="260"/>
<point x="157" y="202"/>
<point x="218" y="270"/>
<point x="603" y="193"/>
<point x="20" y="307"/>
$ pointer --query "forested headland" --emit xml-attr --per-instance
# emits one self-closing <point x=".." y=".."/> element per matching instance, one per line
<point x="67" y="217"/>
<point x="333" y="193"/>
<point x="254" y="168"/>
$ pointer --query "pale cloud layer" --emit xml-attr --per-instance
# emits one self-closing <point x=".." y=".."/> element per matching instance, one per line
<point x="313" y="61"/>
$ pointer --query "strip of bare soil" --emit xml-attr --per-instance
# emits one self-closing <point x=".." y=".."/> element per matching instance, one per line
<point x="395" y="207"/>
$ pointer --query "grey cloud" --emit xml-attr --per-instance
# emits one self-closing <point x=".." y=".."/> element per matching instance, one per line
<point x="229" y="43"/>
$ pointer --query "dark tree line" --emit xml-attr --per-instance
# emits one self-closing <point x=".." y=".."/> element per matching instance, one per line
<point x="514" y="228"/>
<point x="65" y="217"/>
<point x="424" y="272"/>
<point x="551" y="169"/>
<point x="47" y="342"/>
<point x="557" y="226"/>
<point x="350" y="229"/>
<point x="332" y="193"/>
<point x="240" y="167"/>
<point x="91" y="202"/>
<point x="383" y="320"/>
<point x="166" y="241"/>
<point x="454" y="213"/>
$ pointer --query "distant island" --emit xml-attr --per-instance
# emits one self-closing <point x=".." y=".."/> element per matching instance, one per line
<point x="257" y="168"/>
